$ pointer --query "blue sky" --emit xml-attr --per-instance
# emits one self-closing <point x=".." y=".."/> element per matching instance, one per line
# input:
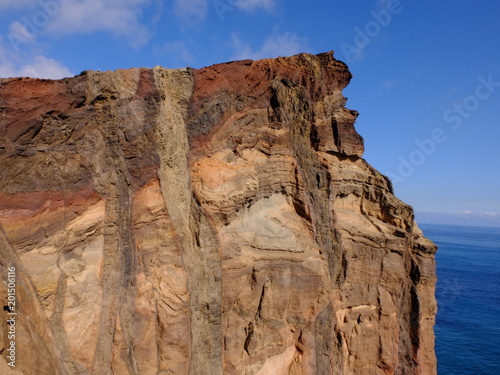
<point x="426" y="73"/>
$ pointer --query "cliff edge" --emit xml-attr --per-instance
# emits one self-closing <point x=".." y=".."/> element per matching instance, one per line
<point x="205" y="221"/>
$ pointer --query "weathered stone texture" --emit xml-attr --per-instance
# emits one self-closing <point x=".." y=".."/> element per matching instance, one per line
<point x="209" y="221"/>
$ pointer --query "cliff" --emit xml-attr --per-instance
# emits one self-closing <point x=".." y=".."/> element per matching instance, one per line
<point x="205" y="221"/>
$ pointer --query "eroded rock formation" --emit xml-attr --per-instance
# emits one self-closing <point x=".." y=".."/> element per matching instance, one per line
<point x="210" y="221"/>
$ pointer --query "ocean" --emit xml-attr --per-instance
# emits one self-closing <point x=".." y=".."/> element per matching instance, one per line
<point x="468" y="294"/>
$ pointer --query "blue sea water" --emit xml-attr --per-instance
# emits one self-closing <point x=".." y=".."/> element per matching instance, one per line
<point x="468" y="294"/>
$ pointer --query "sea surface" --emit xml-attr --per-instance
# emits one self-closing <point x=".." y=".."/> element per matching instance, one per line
<point x="468" y="294"/>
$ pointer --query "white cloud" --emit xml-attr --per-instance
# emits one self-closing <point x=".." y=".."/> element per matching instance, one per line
<point x="20" y="37"/>
<point x="43" y="67"/>
<point x="387" y="83"/>
<point x="17" y="28"/>
<point x="254" y="4"/>
<point x="17" y="4"/>
<point x="121" y="17"/>
<point x="178" y="53"/>
<point x="38" y="66"/>
<point x="491" y="214"/>
<point x="198" y="9"/>
<point x="195" y="9"/>
<point x="64" y="17"/>
<point x="21" y="54"/>
<point x="275" y="45"/>
<point x="466" y="217"/>
<point x="384" y="4"/>
<point x="479" y="215"/>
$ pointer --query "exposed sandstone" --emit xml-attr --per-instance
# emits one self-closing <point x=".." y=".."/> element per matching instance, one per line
<point x="219" y="220"/>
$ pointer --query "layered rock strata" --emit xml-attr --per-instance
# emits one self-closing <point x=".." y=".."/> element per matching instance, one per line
<point x="206" y="221"/>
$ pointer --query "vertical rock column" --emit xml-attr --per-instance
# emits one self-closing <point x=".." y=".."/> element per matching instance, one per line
<point x="199" y="241"/>
<point x="112" y="180"/>
<point x="296" y="111"/>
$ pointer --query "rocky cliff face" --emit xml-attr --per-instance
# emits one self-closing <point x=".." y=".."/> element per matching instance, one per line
<point x="209" y="221"/>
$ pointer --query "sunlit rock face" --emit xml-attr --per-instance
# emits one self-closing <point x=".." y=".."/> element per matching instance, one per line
<point x="211" y="221"/>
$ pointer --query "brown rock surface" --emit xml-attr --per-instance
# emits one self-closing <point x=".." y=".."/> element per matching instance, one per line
<point x="209" y="221"/>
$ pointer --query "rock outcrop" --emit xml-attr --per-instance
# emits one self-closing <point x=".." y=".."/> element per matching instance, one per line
<point x="205" y="221"/>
